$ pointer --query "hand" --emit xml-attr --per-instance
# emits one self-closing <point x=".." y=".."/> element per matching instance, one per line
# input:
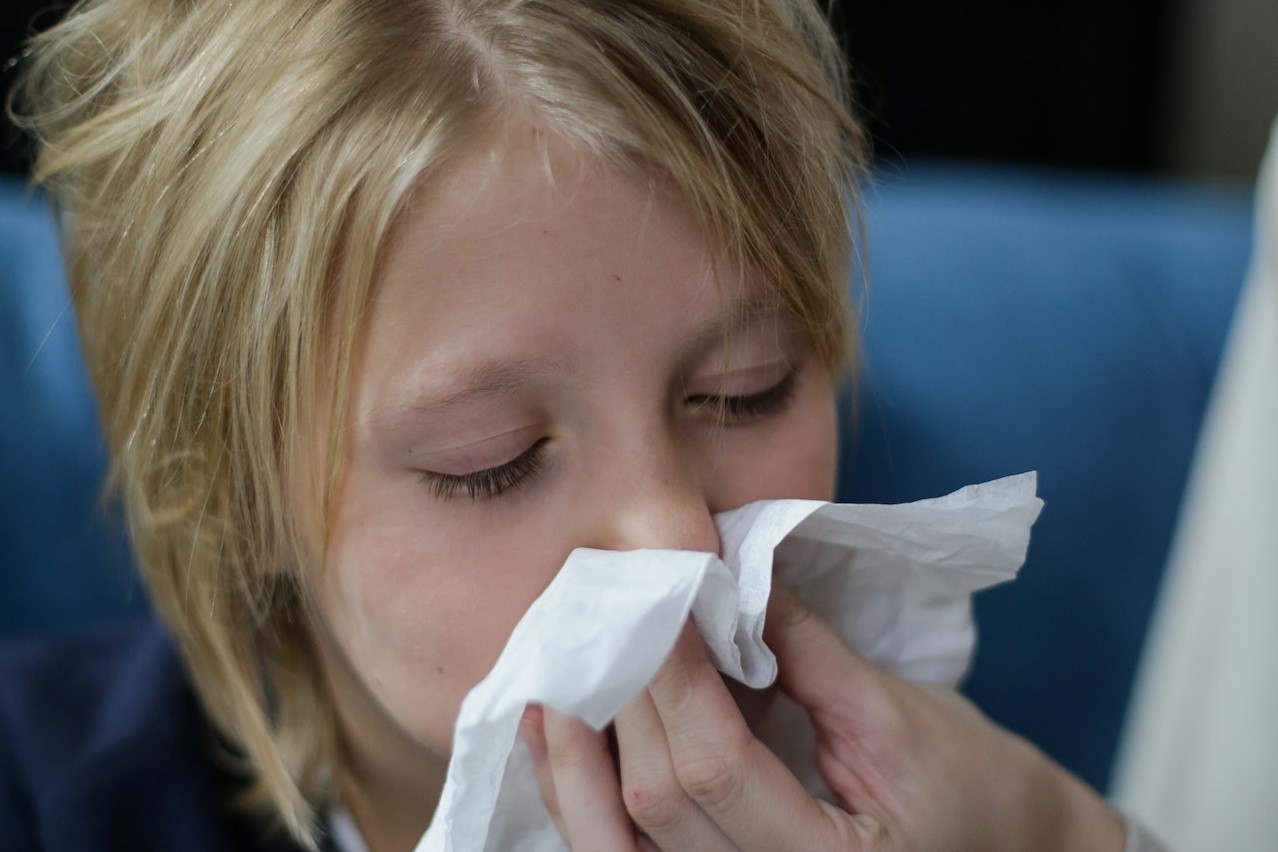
<point x="914" y="767"/>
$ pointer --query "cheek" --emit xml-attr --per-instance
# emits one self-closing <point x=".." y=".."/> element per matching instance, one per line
<point x="420" y="597"/>
<point x="794" y="457"/>
<point x="813" y="455"/>
<point x="421" y="607"/>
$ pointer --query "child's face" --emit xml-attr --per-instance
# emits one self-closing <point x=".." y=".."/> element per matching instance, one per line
<point x="554" y="323"/>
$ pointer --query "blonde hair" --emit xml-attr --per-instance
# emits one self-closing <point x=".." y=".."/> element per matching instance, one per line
<point x="227" y="175"/>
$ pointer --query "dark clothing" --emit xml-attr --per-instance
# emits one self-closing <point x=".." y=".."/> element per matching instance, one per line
<point x="104" y="747"/>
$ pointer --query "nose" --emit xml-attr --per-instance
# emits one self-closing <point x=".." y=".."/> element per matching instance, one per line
<point x="653" y="501"/>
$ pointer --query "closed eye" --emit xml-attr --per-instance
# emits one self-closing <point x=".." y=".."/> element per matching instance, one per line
<point x="735" y="410"/>
<point x="492" y="481"/>
<point x="519" y="471"/>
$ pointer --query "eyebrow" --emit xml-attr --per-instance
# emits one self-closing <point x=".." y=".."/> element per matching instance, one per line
<point x="745" y="312"/>
<point x="507" y="377"/>
<point x="477" y="383"/>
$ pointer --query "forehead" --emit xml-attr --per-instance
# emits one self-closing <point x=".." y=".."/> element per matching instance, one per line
<point x="524" y="214"/>
<point x="519" y="173"/>
<point x="527" y="249"/>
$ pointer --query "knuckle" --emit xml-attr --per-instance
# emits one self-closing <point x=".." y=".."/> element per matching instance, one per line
<point x="653" y="805"/>
<point x="709" y="778"/>
<point x="853" y="831"/>
<point x="871" y="833"/>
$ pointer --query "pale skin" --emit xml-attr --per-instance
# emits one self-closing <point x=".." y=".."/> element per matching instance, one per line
<point x="542" y="368"/>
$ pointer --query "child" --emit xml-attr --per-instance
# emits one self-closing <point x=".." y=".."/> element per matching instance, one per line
<point x="390" y="305"/>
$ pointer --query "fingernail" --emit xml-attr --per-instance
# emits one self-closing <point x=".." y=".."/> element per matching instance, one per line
<point x="532" y="727"/>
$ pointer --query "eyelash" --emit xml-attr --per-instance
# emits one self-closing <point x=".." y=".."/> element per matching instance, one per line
<point x="518" y="472"/>
<point x="490" y="482"/>
<point x="738" y="409"/>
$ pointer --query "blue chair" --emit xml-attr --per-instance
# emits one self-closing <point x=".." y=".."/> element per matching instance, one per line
<point x="1015" y="320"/>
<point x="1018" y="320"/>
<point x="63" y="559"/>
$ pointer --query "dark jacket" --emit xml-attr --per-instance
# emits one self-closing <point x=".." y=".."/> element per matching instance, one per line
<point x="103" y="747"/>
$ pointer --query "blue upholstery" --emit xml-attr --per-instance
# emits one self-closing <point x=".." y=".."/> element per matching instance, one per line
<point x="62" y="562"/>
<point x="1015" y="321"/>
<point x="1020" y="321"/>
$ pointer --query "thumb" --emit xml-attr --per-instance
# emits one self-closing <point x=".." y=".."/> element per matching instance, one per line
<point x="815" y="666"/>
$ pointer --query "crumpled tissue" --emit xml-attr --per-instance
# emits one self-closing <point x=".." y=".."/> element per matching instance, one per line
<point x="895" y="581"/>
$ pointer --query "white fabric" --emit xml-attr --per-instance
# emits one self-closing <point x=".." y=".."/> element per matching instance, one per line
<point x="1138" y="839"/>
<point x="1199" y="764"/>
<point x="343" y="831"/>
<point x="896" y="581"/>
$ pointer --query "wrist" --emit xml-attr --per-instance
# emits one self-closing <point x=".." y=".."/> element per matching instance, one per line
<point x="1090" y="824"/>
<point x="1061" y="813"/>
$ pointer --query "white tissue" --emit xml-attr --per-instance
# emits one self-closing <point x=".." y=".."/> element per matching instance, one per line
<point x="895" y="581"/>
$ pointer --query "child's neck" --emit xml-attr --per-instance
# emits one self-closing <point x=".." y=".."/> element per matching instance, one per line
<point x="390" y="782"/>
<point x="391" y="812"/>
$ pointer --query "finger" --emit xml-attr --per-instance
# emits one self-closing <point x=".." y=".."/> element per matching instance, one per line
<point x="860" y="725"/>
<point x="532" y="729"/>
<point x="749" y="793"/>
<point x="815" y="666"/>
<point x="652" y="794"/>
<point x="586" y="786"/>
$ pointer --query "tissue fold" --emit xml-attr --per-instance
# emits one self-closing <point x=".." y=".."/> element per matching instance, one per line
<point x="894" y="581"/>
